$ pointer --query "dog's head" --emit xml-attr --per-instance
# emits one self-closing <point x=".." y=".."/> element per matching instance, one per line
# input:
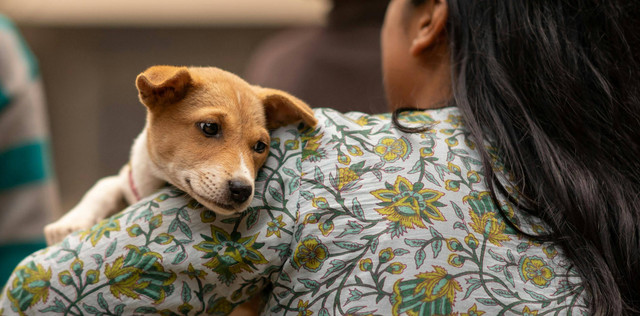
<point x="207" y="131"/>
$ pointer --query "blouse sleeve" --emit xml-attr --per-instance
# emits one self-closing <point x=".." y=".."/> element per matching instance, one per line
<point x="166" y="254"/>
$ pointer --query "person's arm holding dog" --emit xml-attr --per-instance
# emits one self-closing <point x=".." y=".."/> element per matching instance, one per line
<point x="166" y="245"/>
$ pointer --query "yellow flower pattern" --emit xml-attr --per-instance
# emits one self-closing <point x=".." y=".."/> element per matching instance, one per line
<point x="526" y="311"/>
<point x="346" y="176"/>
<point x="473" y="311"/>
<point x="125" y="280"/>
<point x="489" y="226"/>
<point x="438" y="283"/>
<point x="534" y="269"/>
<point x="274" y="226"/>
<point x="102" y="229"/>
<point x="310" y="254"/>
<point x="33" y="282"/>
<point x="408" y="204"/>
<point x="391" y="149"/>
<point x="353" y="217"/>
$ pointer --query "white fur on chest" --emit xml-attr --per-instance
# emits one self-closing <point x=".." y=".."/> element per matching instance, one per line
<point x="141" y="174"/>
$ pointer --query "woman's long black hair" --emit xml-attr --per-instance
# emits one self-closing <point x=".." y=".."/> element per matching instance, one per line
<point x="555" y="85"/>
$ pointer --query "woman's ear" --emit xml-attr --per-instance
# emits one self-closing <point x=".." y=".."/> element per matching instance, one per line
<point x="432" y="19"/>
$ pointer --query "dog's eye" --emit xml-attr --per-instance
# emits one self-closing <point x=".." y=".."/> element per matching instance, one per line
<point x="260" y="147"/>
<point x="209" y="129"/>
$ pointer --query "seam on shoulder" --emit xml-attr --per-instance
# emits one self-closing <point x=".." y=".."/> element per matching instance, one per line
<point x="298" y="195"/>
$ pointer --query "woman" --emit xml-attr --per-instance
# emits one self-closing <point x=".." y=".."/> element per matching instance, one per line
<point x="515" y="192"/>
<point x="555" y="86"/>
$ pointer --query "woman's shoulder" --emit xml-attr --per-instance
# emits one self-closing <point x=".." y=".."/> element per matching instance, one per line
<point x="412" y="214"/>
<point x="441" y="124"/>
<point x="330" y="116"/>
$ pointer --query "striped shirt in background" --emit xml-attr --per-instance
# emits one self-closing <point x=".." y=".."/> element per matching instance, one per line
<point x="28" y="195"/>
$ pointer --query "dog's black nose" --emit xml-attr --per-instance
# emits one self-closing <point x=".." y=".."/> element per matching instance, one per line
<point x="240" y="191"/>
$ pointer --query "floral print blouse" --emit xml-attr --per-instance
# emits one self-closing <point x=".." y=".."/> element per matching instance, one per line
<point x="353" y="217"/>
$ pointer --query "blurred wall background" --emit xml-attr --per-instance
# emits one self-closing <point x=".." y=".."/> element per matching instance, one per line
<point x="90" y="52"/>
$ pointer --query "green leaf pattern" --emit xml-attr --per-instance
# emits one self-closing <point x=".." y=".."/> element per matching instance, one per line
<point x="350" y="218"/>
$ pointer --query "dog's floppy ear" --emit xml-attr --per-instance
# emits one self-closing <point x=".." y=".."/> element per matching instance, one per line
<point x="160" y="85"/>
<point x="283" y="109"/>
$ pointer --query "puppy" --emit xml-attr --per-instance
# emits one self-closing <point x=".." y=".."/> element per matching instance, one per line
<point x="206" y="133"/>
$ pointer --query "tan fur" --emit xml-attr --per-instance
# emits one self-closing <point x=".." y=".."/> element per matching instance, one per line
<point x="173" y="147"/>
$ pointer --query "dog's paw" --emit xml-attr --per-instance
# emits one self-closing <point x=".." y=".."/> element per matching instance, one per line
<point x="57" y="231"/>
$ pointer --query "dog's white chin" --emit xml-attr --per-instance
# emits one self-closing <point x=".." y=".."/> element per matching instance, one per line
<point x="219" y="208"/>
<point x="211" y="203"/>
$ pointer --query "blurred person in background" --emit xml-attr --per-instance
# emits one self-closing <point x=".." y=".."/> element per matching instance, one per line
<point x="335" y="66"/>
<point x="28" y="195"/>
